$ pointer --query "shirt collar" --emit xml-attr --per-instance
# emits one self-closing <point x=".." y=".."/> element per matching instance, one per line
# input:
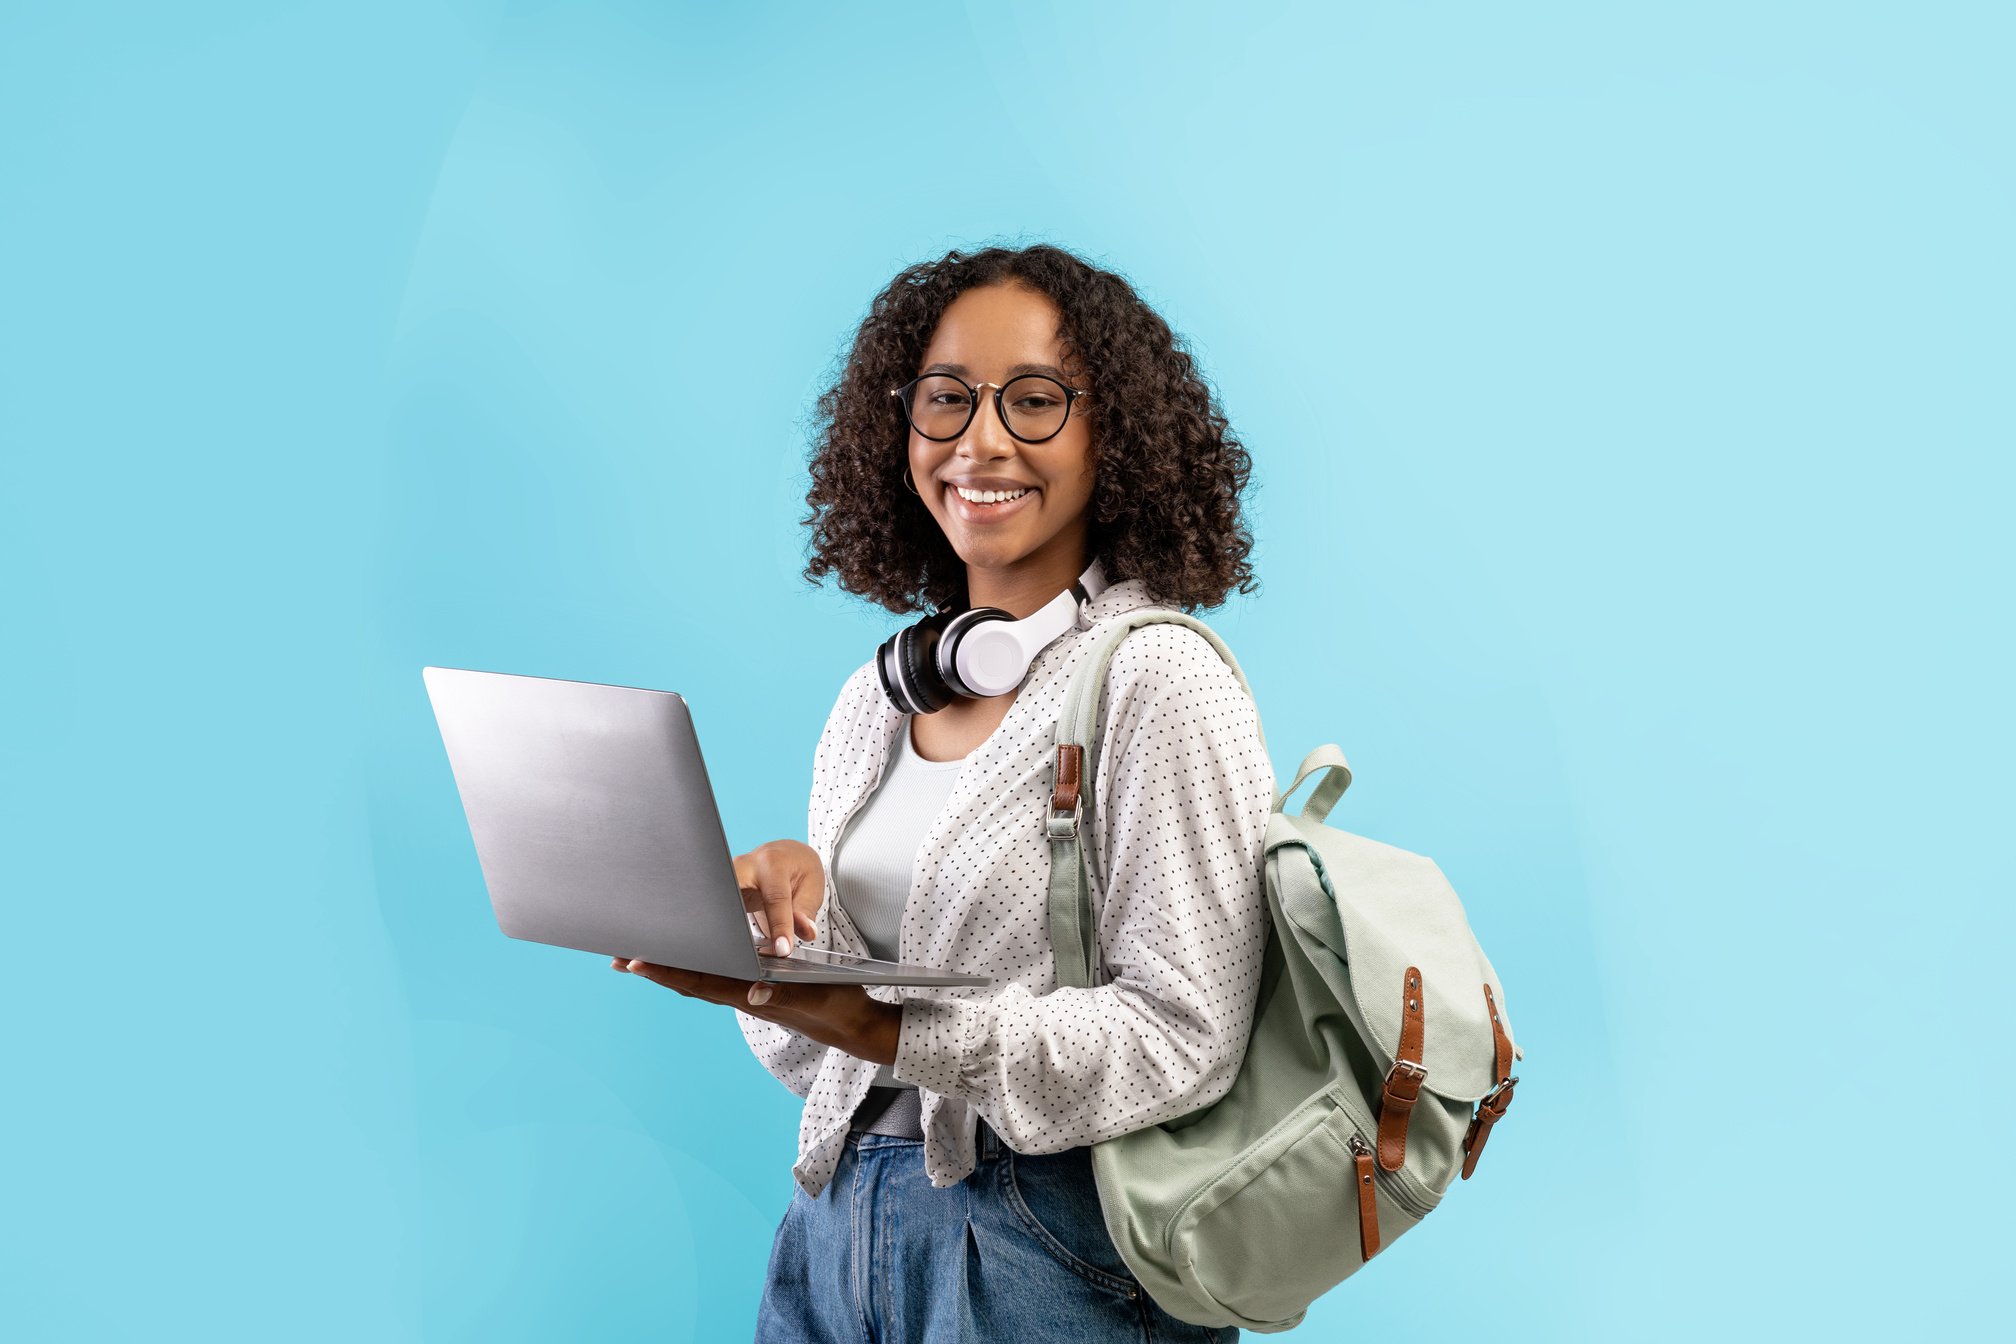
<point x="1117" y="600"/>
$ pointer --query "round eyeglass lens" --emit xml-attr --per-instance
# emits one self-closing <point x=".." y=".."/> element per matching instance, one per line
<point x="940" y="406"/>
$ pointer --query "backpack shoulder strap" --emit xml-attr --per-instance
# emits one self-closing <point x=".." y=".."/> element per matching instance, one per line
<point x="1073" y="921"/>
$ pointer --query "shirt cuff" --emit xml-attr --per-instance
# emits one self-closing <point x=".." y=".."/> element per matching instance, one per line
<point x="931" y="1044"/>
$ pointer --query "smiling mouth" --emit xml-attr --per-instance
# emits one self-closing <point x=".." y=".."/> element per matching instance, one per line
<point x="988" y="504"/>
<point x="968" y="511"/>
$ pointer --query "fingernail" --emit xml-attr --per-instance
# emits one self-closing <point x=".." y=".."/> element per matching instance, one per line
<point x="783" y="946"/>
<point x="634" y="964"/>
<point x="759" y="993"/>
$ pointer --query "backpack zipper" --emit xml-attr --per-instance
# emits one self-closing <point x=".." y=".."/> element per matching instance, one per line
<point x="1368" y="1196"/>
<point x="1401" y="1185"/>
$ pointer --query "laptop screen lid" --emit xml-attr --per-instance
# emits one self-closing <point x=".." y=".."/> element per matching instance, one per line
<point x="594" y="822"/>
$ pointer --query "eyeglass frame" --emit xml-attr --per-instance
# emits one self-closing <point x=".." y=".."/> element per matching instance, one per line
<point x="1071" y="395"/>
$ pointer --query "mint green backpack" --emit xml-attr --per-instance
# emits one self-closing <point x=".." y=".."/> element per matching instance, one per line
<point x="1380" y="1026"/>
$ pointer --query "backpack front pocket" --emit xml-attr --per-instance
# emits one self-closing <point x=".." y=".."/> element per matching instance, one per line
<point x="1256" y="1215"/>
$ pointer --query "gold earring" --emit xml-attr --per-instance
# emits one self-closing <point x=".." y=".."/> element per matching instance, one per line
<point x="906" y="481"/>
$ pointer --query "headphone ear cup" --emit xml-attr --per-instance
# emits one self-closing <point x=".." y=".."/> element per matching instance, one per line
<point x="896" y="666"/>
<point x="914" y="648"/>
<point x="947" y="659"/>
<point x="885" y="668"/>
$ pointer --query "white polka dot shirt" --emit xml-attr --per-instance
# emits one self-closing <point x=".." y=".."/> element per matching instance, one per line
<point x="1178" y="817"/>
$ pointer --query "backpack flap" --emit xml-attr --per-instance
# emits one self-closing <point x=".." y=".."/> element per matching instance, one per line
<point x="1393" y="919"/>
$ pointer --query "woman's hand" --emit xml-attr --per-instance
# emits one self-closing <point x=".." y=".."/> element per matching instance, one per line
<point x="837" y="1015"/>
<point x="783" y="885"/>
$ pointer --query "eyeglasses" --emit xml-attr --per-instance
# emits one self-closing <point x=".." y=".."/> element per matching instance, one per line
<point x="940" y="406"/>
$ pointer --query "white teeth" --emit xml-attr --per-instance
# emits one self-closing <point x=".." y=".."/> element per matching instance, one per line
<point x="988" y="496"/>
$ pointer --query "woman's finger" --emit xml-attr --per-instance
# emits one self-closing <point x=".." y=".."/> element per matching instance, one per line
<point x="773" y="877"/>
<point x="695" y="984"/>
<point x="777" y="900"/>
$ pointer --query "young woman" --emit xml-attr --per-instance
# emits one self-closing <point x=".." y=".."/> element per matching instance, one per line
<point x="1011" y="426"/>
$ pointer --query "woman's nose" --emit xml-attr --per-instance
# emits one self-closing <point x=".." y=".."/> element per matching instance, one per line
<point x="986" y="429"/>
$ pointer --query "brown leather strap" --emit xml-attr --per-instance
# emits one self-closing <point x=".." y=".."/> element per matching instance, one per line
<point x="1368" y="1198"/>
<point x="1404" y="1079"/>
<point x="1501" y="1044"/>
<point x="1491" y="1109"/>
<point x="1069" y="757"/>
<point x="1489" y="1112"/>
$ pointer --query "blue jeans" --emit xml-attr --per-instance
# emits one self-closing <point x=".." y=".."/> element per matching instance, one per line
<point x="1016" y="1251"/>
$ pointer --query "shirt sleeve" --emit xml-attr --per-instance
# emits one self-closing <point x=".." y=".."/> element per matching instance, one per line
<point x="1187" y="789"/>
<point x="792" y="1058"/>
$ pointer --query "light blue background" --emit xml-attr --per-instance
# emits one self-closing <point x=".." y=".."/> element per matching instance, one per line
<point x="1628" y="388"/>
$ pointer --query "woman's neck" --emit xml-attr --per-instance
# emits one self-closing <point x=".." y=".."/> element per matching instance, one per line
<point x="1022" y="592"/>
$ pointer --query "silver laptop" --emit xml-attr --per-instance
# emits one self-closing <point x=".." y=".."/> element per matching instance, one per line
<point x="596" y="829"/>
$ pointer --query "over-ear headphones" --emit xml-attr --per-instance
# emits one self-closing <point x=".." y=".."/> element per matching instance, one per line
<point x="975" y="653"/>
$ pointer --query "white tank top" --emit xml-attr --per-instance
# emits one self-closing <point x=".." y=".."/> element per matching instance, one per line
<point x="872" y="859"/>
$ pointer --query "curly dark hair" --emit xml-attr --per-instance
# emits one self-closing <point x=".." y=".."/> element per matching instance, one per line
<point x="1165" y="504"/>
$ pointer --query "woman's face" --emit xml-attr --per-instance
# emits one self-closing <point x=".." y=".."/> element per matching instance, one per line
<point x="990" y="334"/>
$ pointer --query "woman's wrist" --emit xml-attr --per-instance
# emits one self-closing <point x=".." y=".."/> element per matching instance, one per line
<point x="881" y="1031"/>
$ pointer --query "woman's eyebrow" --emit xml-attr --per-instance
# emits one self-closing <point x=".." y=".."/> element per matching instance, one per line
<point x="1014" y="370"/>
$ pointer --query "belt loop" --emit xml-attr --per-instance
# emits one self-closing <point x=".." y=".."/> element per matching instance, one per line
<point x="990" y="1142"/>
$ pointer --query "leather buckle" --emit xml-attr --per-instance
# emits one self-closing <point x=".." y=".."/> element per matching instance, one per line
<point x="1396" y="1104"/>
<point x="1414" y="1073"/>
<point x="1490" y="1110"/>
